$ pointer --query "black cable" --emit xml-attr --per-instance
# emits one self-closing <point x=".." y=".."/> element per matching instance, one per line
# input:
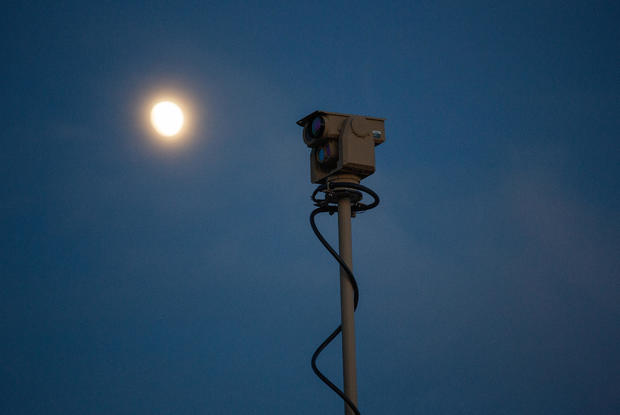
<point x="329" y="204"/>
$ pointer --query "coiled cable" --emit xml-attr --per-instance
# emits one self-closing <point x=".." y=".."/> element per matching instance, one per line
<point x="333" y="191"/>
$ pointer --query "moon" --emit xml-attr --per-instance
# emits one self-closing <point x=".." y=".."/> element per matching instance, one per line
<point x="167" y="118"/>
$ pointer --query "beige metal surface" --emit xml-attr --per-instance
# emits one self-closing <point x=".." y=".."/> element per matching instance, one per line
<point x="353" y="137"/>
<point x="347" y="311"/>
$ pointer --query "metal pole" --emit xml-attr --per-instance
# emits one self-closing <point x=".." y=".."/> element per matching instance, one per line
<point x="347" y="304"/>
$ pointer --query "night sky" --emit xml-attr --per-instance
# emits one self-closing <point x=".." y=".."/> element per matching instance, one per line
<point x="142" y="278"/>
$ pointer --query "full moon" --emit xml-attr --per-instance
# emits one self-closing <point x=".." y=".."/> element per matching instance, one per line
<point x="167" y="118"/>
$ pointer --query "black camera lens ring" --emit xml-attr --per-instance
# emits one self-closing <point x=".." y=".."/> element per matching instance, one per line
<point x="320" y="130"/>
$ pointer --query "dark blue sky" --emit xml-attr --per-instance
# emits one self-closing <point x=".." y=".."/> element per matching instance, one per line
<point x="142" y="280"/>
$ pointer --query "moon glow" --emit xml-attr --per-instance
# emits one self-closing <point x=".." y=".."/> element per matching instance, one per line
<point x="167" y="118"/>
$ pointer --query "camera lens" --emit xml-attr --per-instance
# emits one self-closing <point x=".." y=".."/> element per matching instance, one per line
<point x="324" y="155"/>
<point x="317" y="127"/>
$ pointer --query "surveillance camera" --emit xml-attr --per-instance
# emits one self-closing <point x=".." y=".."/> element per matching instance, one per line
<point x="341" y="143"/>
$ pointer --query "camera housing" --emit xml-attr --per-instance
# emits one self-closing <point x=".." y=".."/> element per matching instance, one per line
<point x="341" y="143"/>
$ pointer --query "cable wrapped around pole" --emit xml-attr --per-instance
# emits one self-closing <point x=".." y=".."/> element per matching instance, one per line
<point x="329" y="205"/>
